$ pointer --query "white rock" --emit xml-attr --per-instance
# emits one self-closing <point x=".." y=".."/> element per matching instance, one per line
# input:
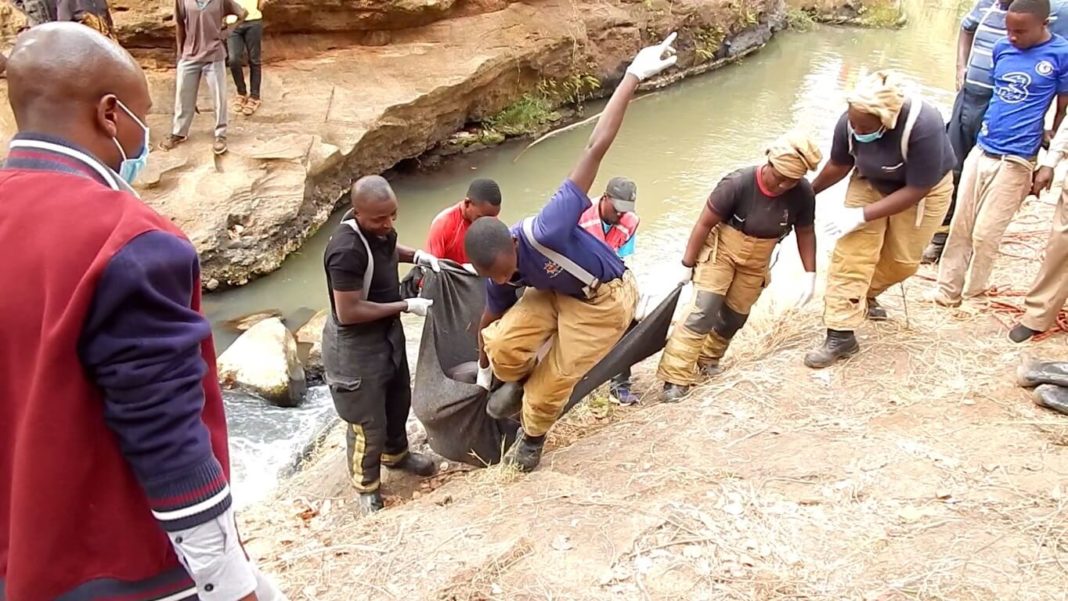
<point x="264" y="362"/>
<point x="311" y="334"/>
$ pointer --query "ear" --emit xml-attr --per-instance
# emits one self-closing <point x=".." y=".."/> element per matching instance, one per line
<point x="107" y="115"/>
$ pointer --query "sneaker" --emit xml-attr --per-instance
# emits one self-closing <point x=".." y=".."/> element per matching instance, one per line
<point x="1022" y="333"/>
<point x="171" y="142"/>
<point x="219" y="146"/>
<point x="623" y="395"/>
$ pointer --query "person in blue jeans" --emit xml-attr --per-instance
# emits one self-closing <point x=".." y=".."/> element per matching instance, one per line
<point x="981" y="28"/>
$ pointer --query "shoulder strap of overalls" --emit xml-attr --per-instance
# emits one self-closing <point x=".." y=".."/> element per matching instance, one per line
<point x="591" y="283"/>
<point x="915" y="108"/>
<point x="370" y="271"/>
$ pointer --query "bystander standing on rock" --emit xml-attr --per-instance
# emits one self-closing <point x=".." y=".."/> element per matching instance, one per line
<point x="246" y="39"/>
<point x="201" y="33"/>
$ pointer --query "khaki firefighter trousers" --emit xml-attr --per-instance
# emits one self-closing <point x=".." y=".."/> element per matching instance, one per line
<point x="582" y="332"/>
<point x="731" y="272"/>
<point x="879" y="253"/>
<point x="991" y="191"/>
<point x="1050" y="290"/>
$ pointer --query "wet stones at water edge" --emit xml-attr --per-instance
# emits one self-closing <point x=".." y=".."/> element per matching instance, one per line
<point x="264" y="362"/>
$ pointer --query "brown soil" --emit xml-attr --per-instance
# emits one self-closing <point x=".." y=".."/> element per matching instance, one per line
<point x="917" y="470"/>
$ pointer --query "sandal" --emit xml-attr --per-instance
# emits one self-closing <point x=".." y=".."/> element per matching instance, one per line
<point x="239" y="103"/>
<point x="171" y="141"/>
<point x="251" y="106"/>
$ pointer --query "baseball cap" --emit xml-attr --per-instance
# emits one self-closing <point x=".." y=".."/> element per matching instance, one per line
<point x="624" y="194"/>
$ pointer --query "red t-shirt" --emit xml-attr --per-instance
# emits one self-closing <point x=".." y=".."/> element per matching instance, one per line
<point x="446" y="237"/>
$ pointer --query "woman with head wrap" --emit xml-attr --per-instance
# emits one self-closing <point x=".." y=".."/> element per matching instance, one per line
<point x="900" y="158"/>
<point x="729" y="254"/>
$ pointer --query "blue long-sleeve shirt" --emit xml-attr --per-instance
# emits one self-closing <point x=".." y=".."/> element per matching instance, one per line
<point x="556" y="226"/>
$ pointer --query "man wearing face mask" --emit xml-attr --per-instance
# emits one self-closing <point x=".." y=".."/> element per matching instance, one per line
<point x="113" y="467"/>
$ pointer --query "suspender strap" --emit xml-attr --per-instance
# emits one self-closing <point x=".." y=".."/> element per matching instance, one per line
<point x="369" y="272"/>
<point x="591" y="283"/>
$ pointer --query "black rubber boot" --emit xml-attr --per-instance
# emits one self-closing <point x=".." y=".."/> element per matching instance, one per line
<point x="416" y="463"/>
<point x="840" y="344"/>
<point x="506" y="401"/>
<point x="1022" y="333"/>
<point x="1052" y="397"/>
<point x="876" y="312"/>
<point x="673" y="393"/>
<point x="710" y="369"/>
<point x="1033" y="373"/>
<point x="525" y="454"/>
<point x="369" y="502"/>
<point x="933" y="253"/>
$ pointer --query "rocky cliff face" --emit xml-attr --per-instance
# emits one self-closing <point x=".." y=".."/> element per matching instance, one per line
<point x="368" y="83"/>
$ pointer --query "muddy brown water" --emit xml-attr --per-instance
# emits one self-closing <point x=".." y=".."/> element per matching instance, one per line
<point x="675" y="144"/>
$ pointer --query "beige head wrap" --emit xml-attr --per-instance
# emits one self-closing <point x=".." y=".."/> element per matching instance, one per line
<point x="794" y="155"/>
<point x="879" y="94"/>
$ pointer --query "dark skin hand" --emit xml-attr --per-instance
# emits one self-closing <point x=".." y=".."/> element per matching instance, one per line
<point x="1043" y="180"/>
<point x="964" y="48"/>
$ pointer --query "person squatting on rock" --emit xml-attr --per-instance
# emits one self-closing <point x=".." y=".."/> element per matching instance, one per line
<point x="1049" y="291"/>
<point x="997" y="175"/>
<point x="613" y="220"/>
<point x="114" y="469"/>
<point x="247" y="39"/>
<point x="979" y="31"/>
<point x="445" y="240"/>
<point x="363" y="340"/>
<point x="579" y="297"/>
<point x="901" y="161"/>
<point x="200" y="30"/>
<point x="728" y="256"/>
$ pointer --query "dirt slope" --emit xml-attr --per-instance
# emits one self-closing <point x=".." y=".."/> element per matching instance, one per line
<point x="915" y="471"/>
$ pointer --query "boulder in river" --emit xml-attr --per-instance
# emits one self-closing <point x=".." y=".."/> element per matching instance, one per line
<point x="311" y="335"/>
<point x="245" y="322"/>
<point x="264" y="362"/>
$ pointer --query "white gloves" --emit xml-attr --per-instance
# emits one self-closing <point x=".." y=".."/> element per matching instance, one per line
<point x="684" y="274"/>
<point x="427" y="260"/>
<point x="418" y="306"/>
<point x="469" y="268"/>
<point x="808" y="289"/>
<point x="844" y="221"/>
<point x="654" y="59"/>
<point x="485" y="376"/>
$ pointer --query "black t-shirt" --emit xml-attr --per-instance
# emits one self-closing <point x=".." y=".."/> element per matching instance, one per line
<point x="930" y="153"/>
<point x="740" y="203"/>
<point x="346" y="264"/>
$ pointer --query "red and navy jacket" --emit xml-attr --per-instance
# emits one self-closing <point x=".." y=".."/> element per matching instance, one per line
<point x="111" y="420"/>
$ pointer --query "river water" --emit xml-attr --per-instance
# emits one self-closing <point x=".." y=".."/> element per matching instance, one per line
<point x="676" y="144"/>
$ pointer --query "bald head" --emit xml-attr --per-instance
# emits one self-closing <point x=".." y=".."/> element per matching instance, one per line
<point x="66" y="79"/>
<point x="374" y="204"/>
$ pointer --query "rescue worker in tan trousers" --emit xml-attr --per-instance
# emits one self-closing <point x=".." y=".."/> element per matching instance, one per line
<point x="901" y="162"/>
<point x="579" y="298"/>
<point x="729" y="255"/>
<point x="363" y="340"/>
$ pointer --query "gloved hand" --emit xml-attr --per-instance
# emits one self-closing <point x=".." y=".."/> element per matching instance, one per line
<point x="684" y="273"/>
<point x="808" y="289"/>
<point x="844" y="221"/>
<point x="645" y="304"/>
<point x="418" y="306"/>
<point x="654" y="59"/>
<point x="427" y="260"/>
<point x="485" y="376"/>
<point x="469" y="268"/>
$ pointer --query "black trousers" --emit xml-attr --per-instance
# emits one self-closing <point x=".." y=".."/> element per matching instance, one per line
<point x="248" y="37"/>
<point x="969" y="108"/>
<point x="367" y="372"/>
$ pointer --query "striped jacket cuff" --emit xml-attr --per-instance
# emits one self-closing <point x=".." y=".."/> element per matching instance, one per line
<point x="189" y="498"/>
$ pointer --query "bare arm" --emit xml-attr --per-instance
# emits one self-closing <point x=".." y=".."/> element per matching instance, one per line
<point x="405" y="254"/>
<point x="353" y="309"/>
<point x="488" y="318"/>
<point x="1062" y="104"/>
<point x="806" y="247"/>
<point x="831" y="174"/>
<point x="698" y="235"/>
<point x="895" y="202"/>
<point x="179" y="26"/>
<point x="964" y="50"/>
<point x="604" y="133"/>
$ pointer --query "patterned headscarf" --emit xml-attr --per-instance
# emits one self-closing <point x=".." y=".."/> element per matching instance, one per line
<point x="794" y="154"/>
<point x="879" y="94"/>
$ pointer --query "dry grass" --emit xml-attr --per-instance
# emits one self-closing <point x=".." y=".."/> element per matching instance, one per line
<point x="916" y="470"/>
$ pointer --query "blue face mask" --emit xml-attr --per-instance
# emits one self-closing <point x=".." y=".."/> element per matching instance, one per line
<point x="868" y="138"/>
<point x="132" y="167"/>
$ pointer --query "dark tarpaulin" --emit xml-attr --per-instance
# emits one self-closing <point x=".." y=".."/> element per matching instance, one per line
<point x="454" y="412"/>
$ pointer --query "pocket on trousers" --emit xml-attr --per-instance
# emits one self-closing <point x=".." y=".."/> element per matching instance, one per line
<point x="344" y="384"/>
